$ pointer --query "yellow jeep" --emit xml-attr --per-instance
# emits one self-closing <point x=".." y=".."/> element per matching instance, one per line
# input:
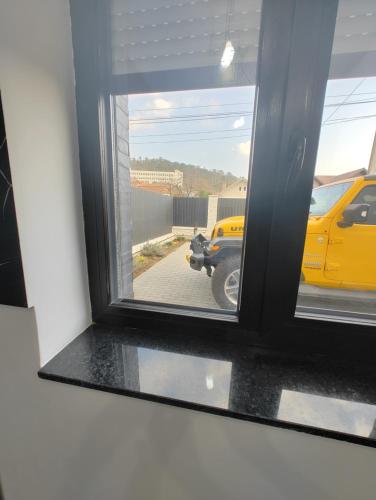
<point x="340" y="245"/>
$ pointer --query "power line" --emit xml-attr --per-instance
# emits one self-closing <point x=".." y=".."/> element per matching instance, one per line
<point x="190" y="133"/>
<point x="331" y="122"/>
<point x="344" y="95"/>
<point x="195" y="117"/>
<point x="344" y="101"/>
<point x="198" y="106"/>
<point x="234" y="103"/>
<point x="346" y="120"/>
<point x="194" y="140"/>
<point x="230" y="130"/>
<point x="350" y="103"/>
<point x="229" y="113"/>
<point x="327" y="121"/>
<point x="184" y="118"/>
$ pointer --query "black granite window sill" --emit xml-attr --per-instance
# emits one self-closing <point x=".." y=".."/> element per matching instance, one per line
<point x="314" y="396"/>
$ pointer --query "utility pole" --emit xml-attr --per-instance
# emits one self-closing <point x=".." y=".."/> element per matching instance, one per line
<point x="372" y="159"/>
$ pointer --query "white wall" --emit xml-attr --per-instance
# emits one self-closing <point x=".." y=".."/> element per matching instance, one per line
<point x="37" y="87"/>
<point x="59" y="442"/>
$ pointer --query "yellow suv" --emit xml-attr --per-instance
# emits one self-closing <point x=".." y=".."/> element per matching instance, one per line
<point x="340" y="245"/>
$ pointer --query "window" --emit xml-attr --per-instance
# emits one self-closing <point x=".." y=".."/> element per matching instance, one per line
<point x="338" y="273"/>
<point x="181" y="139"/>
<point x="324" y="198"/>
<point x="176" y="154"/>
<point x="367" y="196"/>
<point x="175" y="101"/>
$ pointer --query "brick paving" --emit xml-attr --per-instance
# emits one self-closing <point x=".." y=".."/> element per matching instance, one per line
<point x="172" y="281"/>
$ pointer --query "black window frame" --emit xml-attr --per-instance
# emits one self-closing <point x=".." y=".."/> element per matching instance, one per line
<point x="295" y="50"/>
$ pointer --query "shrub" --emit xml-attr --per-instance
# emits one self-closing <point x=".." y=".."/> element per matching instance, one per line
<point x="180" y="238"/>
<point x="152" y="250"/>
<point x="138" y="261"/>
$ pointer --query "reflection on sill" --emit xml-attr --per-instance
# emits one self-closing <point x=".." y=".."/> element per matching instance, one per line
<point x="256" y="385"/>
<point x="328" y="413"/>
<point x="166" y="374"/>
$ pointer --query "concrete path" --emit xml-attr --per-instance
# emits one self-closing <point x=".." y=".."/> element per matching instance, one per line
<point x="172" y="281"/>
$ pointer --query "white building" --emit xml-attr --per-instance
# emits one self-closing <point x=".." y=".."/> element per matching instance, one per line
<point x="156" y="176"/>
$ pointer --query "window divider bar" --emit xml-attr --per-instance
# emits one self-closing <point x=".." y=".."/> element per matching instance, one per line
<point x="310" y="55"/>
<point x="271" y="89"/>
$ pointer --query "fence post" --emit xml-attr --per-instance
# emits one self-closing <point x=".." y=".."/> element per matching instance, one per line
<point x="212" y="211"/>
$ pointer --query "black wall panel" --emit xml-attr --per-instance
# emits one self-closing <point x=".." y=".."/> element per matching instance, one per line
<point x="12" y="286"/>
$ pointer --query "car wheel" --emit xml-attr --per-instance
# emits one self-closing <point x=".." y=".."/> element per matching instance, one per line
<point x="225" y="282"/>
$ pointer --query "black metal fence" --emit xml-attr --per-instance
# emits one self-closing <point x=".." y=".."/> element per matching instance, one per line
<point x="227" y="207"/>
<point x="151" y="215"/>
<point x="154" y="214"/>
<point x="190" y="212"/>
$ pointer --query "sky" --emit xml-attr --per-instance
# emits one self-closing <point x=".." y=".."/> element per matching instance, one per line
<point x="212" y="128"/>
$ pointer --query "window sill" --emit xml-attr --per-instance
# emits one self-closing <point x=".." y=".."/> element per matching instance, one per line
<point x="316" y="395"/>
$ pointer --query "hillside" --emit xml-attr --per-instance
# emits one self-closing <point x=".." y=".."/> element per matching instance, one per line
<point x="197" y="180"/>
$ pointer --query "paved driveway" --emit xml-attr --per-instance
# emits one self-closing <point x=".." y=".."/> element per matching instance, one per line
<point x="172" y="281"/>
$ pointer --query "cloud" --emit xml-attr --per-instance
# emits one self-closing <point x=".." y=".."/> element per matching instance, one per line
<point x="244" y="148"/>
<point x="161" y="108"/>
<point x="162" y="103"/>
<point x="151" y="109"/>
<point x="239" y="122"/>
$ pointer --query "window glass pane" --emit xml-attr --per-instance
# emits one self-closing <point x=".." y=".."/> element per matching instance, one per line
<point x="325" y="197"/>
<point x="339" y="267"/>
<point x="181" y="148"/>
<point x="368" y="196"/>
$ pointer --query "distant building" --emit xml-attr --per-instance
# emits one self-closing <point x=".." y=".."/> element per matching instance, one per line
<point x="236" y="190"/>
<point x="320" y="180"/>
<point x="158" y="177"/>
